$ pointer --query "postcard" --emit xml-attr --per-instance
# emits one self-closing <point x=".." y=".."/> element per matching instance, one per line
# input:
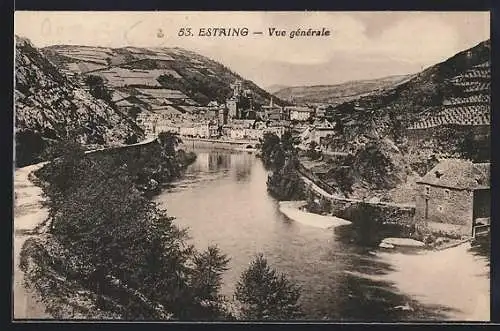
<point x="252" y="166"/>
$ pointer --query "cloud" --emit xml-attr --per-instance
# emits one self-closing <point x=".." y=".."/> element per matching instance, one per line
<point x="420" y="39"/>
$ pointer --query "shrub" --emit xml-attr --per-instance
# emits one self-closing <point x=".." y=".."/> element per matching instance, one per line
<point x="265" y="294"/>
<point x="29" y="147"/>
<point x="97" y="88"/>
<point x="312" y="151"/>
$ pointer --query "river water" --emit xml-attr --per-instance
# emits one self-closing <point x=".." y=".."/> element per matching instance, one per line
<point x="223" y="201"/>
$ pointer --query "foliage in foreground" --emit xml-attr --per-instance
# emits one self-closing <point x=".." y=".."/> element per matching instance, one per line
<point x="108" y="229"/>
<point x="100" y="216"/>
<point x="265" y="294"/>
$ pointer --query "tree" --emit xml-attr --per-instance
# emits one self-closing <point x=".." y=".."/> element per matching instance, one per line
<point x="112" y="229"/>
<point x="205" y="283"/>
<point x="474" y="148"/>
<point x="29" y="147"/>
<point x="65" y="170"/>
<point x="97" y="88"/>
<point x="289" y="142"/>
<point x="133" y="112"/>
<point x="265" y="294"/>
<point x="207" y="273"/>
<point x="131" y="139"/>
<point x="285" y="183"/>
<point x="269" y="145"/>
<point x="169" y="141"/>
<point x="312" y="151"/>
<point x="343" y="176"/>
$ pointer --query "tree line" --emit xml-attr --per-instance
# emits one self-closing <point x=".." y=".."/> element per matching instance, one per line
<point x="280" y="156"/>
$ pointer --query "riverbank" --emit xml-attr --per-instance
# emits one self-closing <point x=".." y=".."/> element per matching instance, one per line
<point x="30" y="222"/>
<point x="393" y="219"/>
<point x="48" y="281"/>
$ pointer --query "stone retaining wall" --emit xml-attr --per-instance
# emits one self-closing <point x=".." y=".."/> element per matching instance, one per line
<point x="371" y="221"/>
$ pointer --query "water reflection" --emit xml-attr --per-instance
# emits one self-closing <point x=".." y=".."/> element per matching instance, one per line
<point x="239" y="165"/>
<point x="223" y="200"/>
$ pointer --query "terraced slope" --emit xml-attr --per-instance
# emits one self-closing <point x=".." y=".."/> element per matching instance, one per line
<point x="436" y="96"/>
<point x="470" y="103"/>
<point x="160" y="75"/>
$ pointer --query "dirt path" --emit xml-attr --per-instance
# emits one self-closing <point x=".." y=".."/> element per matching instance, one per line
<point x="28" y="213"/>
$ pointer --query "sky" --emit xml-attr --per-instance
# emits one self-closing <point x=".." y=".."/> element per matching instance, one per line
<point x="361" y="45"/>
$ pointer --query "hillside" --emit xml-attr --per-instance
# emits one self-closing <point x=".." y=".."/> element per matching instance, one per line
<point x="175" y="79"/>
<point x="49" y="108"/>
<point x="442" y="112"/>
<point x="338" y="93"/>
<point x="426" y="98"/>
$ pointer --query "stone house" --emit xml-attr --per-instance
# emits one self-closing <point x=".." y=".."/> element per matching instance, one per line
<point x="455" y="194"/>
<point x="299" y="113"/>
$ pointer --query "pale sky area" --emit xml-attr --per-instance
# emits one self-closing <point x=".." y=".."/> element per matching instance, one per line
<point x="362" y="45"/>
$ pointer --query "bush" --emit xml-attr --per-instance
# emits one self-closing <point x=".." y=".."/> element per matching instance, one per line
<point x="29" y="147"/>
<point x="285" y="183"/>
<point x="97" y="88"/>
<point x="265" y="294"/>
<point x="312" y="151"/>
<point x="270" y="147"/>
<point x="280" y="156"/>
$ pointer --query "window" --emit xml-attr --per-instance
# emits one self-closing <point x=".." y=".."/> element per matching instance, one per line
<point x="447" y="194"/>
<point x="427" y="190"/>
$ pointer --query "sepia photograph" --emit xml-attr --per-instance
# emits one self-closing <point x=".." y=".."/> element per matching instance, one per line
<point x="251" y="166"/>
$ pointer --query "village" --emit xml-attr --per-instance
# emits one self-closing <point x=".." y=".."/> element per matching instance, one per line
<point x="239" y="119"/>
<point x="346" y="180"/>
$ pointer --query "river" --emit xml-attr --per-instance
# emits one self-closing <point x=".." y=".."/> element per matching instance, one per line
<point x="223" y="201"/>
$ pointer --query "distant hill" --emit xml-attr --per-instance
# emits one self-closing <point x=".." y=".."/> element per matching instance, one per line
<point x="275" y="88"/>
<point x="49" y="107"/>
<point x="174" y="78"/>
<point x="338" y="93"/>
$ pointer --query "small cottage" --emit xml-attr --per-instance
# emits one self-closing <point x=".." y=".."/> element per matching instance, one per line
<point x="455" y="192"/>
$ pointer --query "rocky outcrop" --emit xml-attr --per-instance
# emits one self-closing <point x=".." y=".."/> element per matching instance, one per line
<point x="49" y="107"/>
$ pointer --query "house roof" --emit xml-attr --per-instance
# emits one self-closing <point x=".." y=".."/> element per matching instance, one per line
<point x="458" y="174"/>
<point x="299" y="109"/>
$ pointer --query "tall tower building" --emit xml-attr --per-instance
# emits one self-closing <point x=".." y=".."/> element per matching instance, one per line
<point x="237" y="88"/>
